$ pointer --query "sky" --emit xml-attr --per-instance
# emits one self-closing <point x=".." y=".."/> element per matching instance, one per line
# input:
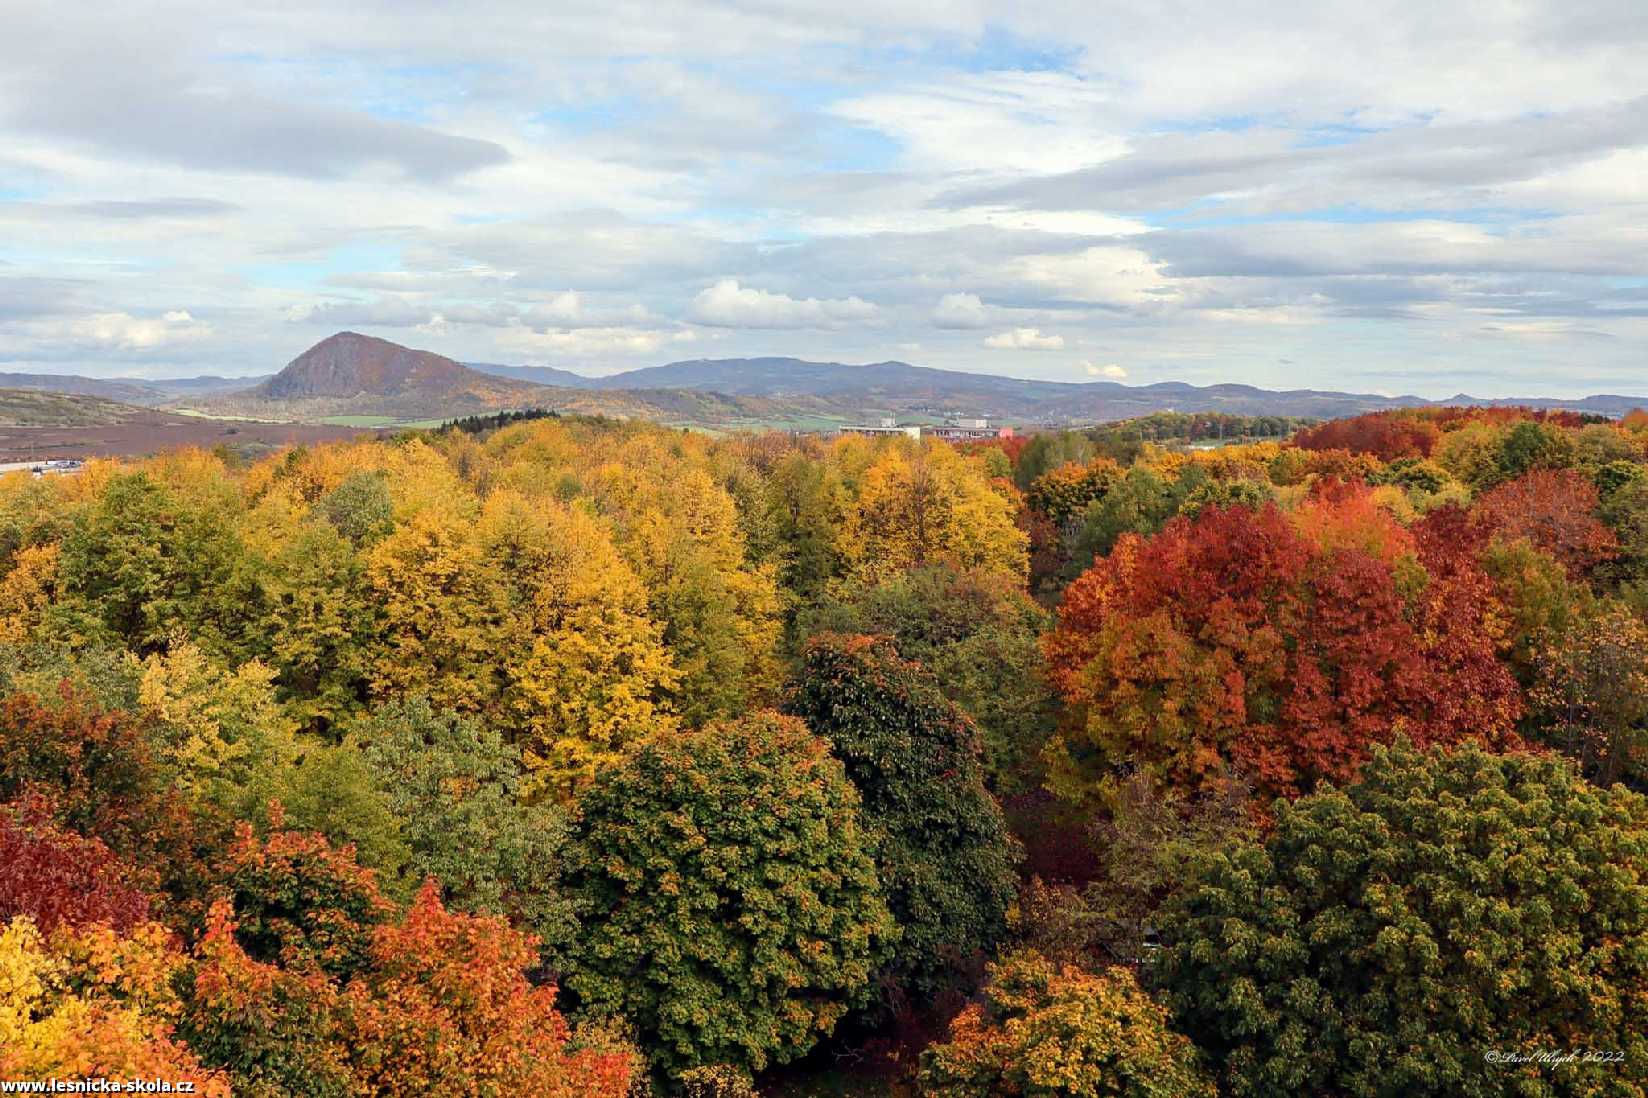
<point x="1394" y="197"/>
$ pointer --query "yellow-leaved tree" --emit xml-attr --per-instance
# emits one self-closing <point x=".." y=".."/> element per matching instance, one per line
<point x="586" y="669"/>
<point x="26" y="591"/>
<point x="91" y="1003"/>
<point x="679" y="529"/>
<point x="439" y="613"/>
<point x="920" y="503"/>
<point x="220" y="732"/>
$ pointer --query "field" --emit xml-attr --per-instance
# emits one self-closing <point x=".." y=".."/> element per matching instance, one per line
<point x="379" y="421"/>
<point x="159" y="431"/>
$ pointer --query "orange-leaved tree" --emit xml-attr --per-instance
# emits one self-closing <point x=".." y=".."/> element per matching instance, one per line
<point x="303" y="983"/>
<point x="1279" y="647"/>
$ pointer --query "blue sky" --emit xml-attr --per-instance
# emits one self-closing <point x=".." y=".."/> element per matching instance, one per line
<point x="1389" y="196"/>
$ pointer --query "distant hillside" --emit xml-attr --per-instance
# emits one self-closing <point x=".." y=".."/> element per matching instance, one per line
<point x="349" y="374"/>
<point x="36" y="408"/>
<point x="351" y="377"/>
<point x="838" y="389"/>
<point x="150" y="392"/>
<point x="350" y="365"/>
<point x="538" y="375"/>
<point x="181" y="388"/>
<point x="121" y="389"/>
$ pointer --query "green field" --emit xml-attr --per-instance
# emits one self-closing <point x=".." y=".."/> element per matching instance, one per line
<point x="378" y="421"/>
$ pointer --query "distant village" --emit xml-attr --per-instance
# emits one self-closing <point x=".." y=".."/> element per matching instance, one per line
<point x="957" y="430"/>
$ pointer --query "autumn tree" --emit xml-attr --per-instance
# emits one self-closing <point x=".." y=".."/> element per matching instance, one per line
<point x="439" y="1004"/>
<point x="1471" y="452"/>
<point x="445" y="1008"/>
<point x="92" y="1004"/>
<point x="97" y="770"/>
<point x="1045" y="451"/>
<point x="1590" y="695"/>
<point x="1062" y="494"/>
<point x="455" y="786"/>
<point x="438" y="611"/>
<point x="320" y="624"/>
<point x="805" y="502"/>
<point x="360" y="508"/>
<point x="1140" y="503"/>
<point x="27" y="592"/>
<point x="719" y="607"/>
<point x="586" y="667"/>
<point x="1542" y="602"/>
<point x="144" y="561"/>
<point x="979" y="635"/>
<point x="335" y="791"/>
<point x="271" y="1030"/>
<point x="941" y="845"/>
<point x="1056" y="1031"/>
<point x="1389" y="436"/>
<point x="1146" y="839"/>
<point x="1624" y="509"/>
<point x="1530" y="445"/>
<point x="301" y="902"/>
<point x="923" y="503"/>
<point x="1554" y="509"/>
<point x="218" y="733"/>
<point x="55" y="877"/>
<point x="1243" y="643"/>
<point x="1384" y="938"/>
<point x="736" y="914"/>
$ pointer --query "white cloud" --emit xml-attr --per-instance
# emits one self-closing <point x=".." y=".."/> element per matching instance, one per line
<point x="125" y="332"/>
<point x="562" y="308"/>
<point x="961" y="311"/>
<point x="1112" y="371"/>
<point x="1100" y="275"/>
<point x="383" y="312"/>
<point x="729" y="305"/>
<point x="999" y="122"/>
<point x="596" y="342"/>
<point x="1024" y="339"/>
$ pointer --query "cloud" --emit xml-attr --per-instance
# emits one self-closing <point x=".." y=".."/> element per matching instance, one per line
<point x="125" y="332"/>
<point x="961" y="311"/>
<point x="729" y="305"/>
<point x="1024" y="339"/>
<point x="378" y="313"/>
<point x="996" y="122"/>
<point x="129" y="85"/>
<point x="560" y="309"/>
<point x="599" y="342"/>
<point x="126" y="209"/>
<point x="1270" y="169"/>
<point x="1112" y="371"/>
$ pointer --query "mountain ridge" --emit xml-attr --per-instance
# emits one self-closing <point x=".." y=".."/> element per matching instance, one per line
<point x="781" y="376"/>
<point x="349" y="374"/>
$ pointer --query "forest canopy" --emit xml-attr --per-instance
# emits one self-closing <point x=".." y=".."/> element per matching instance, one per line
<point x="1179" y="756"/>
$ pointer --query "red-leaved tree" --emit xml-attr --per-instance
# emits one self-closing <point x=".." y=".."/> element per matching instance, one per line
<point x="1386" y="435"/>
<point x="59" y="878"/>
<point x="1280" y="648"/>
<point x="1556" y="509"/>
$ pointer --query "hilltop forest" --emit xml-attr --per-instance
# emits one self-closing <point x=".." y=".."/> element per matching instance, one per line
<point x="578" y="757"/>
